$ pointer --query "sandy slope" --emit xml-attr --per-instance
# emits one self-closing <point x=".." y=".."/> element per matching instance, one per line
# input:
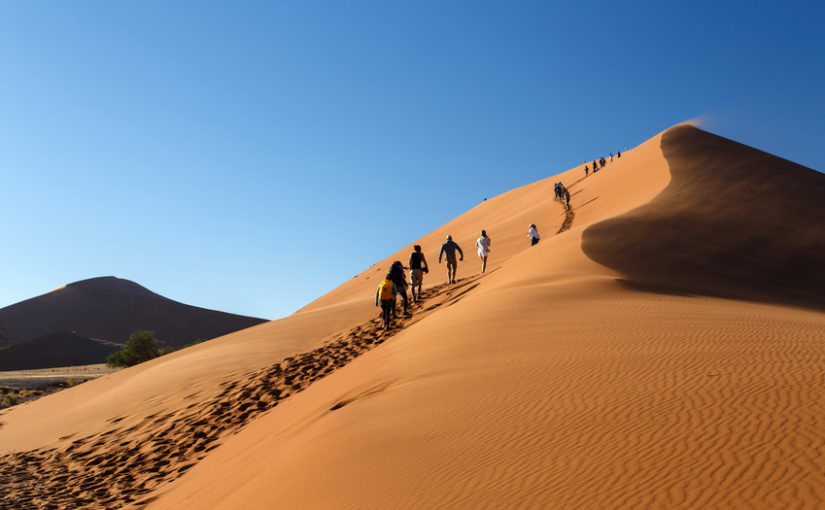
<point x="552" y="381"/>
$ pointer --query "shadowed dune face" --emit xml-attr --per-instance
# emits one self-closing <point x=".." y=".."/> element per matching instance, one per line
<point x="62" y="348"/>
<point x="734" y="222"/>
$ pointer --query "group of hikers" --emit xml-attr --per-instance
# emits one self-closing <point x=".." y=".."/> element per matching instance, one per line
<point x="597" y="165"/>
<point x="395" y="283"/>
<point x="562" y="194"/>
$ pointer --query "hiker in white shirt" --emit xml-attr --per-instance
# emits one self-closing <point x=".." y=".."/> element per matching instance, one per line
<point x="483" y="245"/>
<point x="533" y="234"/>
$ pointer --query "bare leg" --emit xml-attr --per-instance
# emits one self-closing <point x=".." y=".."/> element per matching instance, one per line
<point x="483" y="263"/>
<point x="386" y="315"/>
<point x="404" y="296"/>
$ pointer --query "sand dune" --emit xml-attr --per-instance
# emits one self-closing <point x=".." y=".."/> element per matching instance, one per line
<point x="568" y="376"/>
<point x="61" y="348"/>
<point x="734" y="222"/>
<point x="98" y="311"/>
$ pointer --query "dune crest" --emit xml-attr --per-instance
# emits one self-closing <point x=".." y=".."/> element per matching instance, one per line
<point x="734" y="222"/>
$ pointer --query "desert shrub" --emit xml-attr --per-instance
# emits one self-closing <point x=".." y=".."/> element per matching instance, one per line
<point x="194" y="342"/>
<point x="116" y="359"/>
<point x="166" y="349"/>
<point x="11" y="399"/>
<point x="141" y="346"/>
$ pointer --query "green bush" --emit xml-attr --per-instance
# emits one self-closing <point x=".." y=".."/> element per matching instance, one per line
<point x="141" y="346"/>
<point x="196" y="341"/>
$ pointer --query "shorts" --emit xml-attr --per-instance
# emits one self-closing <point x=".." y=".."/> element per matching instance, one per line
<point x="387" y="304"/>
<point x="452" y="263"/>
<point x="483" y="253"/>
<point x="533" y="241"/>
<point x="416" y="277"/>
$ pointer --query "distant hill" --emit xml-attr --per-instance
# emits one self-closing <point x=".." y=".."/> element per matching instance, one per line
<point x="78" y="323"/>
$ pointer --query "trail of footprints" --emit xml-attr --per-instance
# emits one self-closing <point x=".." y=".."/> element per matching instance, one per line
<point x="569" y="215"/>
<point x="115" y="468"/>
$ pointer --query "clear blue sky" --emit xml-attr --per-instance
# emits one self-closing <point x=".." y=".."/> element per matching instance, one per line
<point x="251" y="156"/>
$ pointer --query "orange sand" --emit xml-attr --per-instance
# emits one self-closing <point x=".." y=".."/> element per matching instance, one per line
<point x="649" y="379"/>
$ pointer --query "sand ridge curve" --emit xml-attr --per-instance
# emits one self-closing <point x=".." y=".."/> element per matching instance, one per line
<point x="733" y="222"/>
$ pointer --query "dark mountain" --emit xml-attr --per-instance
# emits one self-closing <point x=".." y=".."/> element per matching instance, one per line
<point x="103" y="310"/>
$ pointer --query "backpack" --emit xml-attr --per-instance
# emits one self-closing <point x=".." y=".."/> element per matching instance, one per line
<point x="385" y="290"/>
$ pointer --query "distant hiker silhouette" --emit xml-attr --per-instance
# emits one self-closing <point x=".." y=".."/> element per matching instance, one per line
<point x="483" y="245"/>
<point x="563" y="195"/>
<point x="449" y="248"/>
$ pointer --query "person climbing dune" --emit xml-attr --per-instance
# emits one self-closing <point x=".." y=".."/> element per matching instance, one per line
<point x="385" y="298"/>
<point x="418" y="266"/>
<point x="449" y="248"/>
<point x="399" y="284"/>
<point x="483" y="245"/>
<point x="533" y="234"/>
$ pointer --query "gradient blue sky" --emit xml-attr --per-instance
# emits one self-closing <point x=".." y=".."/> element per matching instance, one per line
<point x="251" y="156"/>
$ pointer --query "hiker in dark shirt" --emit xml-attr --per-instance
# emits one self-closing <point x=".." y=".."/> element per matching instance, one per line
<point x="418" y="266"/>
<point x="595" y="167"/>
<point x="399" y="284"/>
<point x="586" y="170"/>
<point x="449" y="248"/>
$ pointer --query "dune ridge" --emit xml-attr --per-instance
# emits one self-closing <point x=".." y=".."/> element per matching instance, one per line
<point x="558" y="379"/>
<point x="734" y="222"/>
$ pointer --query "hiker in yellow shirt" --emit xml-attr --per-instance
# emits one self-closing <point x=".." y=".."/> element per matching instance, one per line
<point x="384" y="297"/>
